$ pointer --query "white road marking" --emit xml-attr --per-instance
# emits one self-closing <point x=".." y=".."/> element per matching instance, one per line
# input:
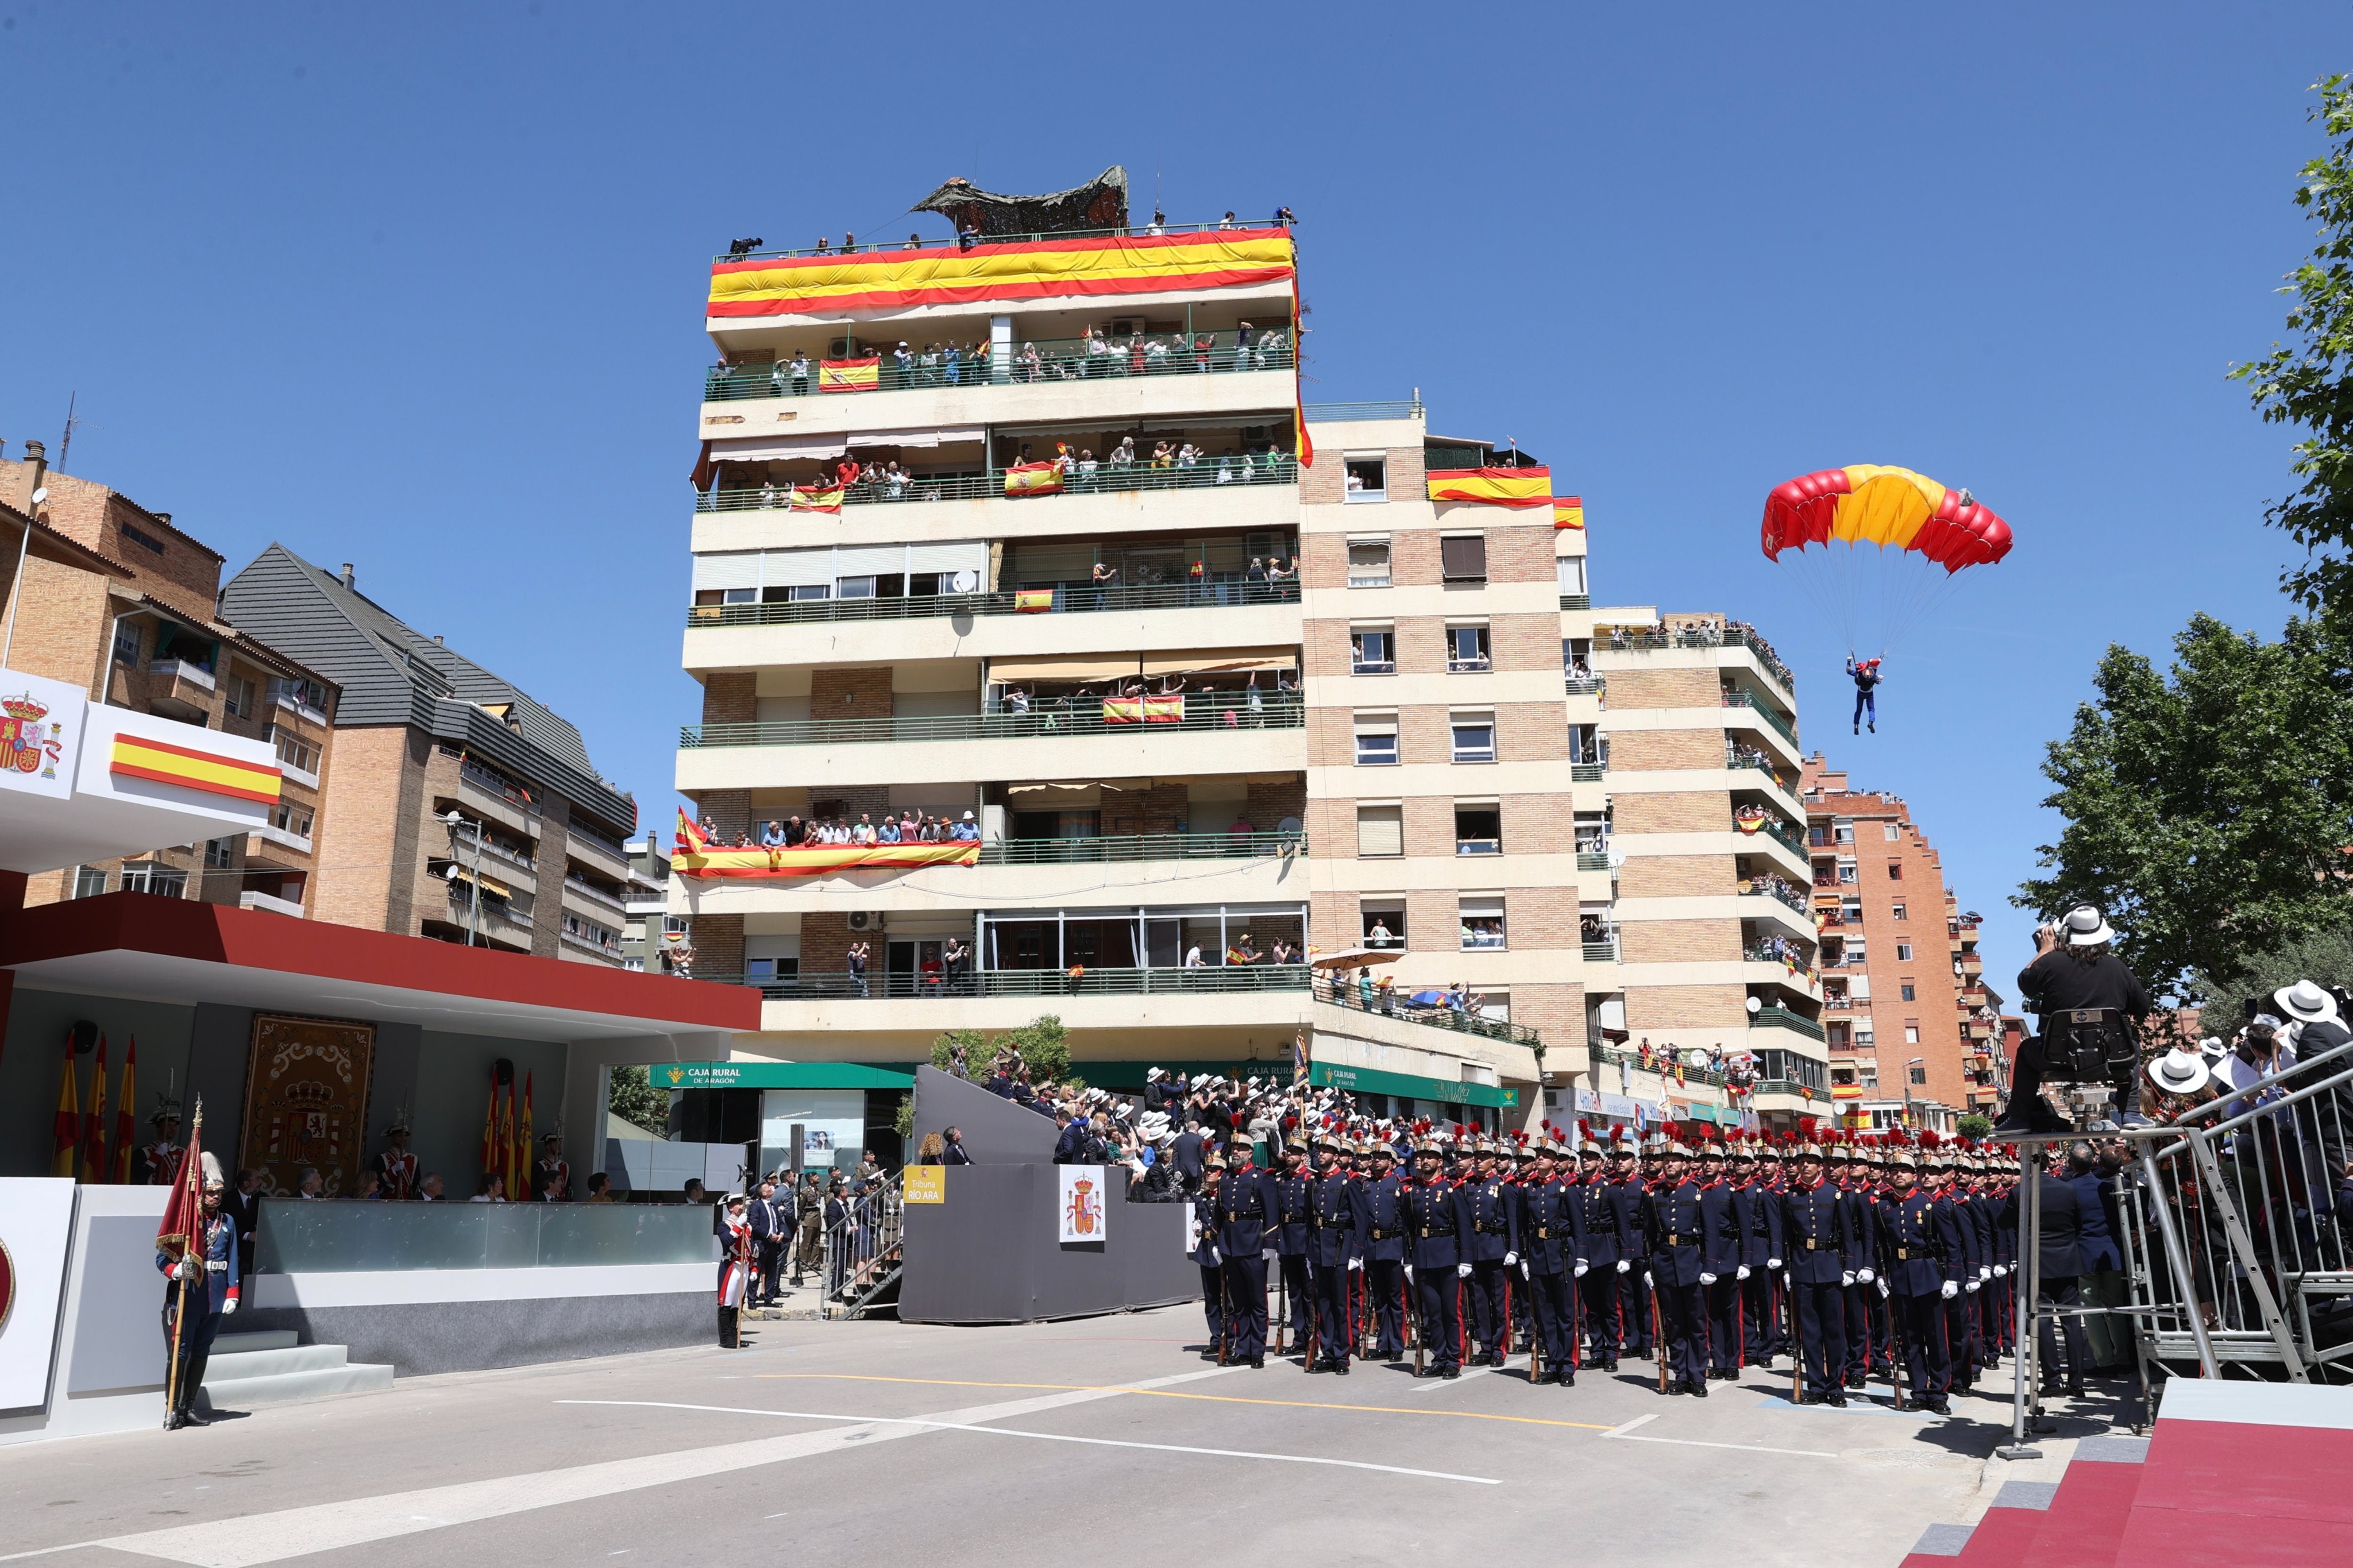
<point x="1638" y="1421"/>
<point x="252" y="1539"/>
<point x="1624" y="1435"/>
<point x="1053" y="1438"/>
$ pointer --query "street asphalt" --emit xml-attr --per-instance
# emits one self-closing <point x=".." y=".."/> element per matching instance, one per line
<point x="883" y="1443"/>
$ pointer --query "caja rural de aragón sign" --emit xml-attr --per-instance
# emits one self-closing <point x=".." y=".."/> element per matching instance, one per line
<point x="1371" y="1081"/>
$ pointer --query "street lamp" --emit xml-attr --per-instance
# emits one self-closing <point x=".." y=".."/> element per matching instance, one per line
<point x="1914" y="1062"/>
<point x="473" y="834"/>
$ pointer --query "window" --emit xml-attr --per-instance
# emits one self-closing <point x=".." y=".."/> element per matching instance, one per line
<point x="1483" y="920"/>
<point x="293" y="751"/>
<point x="303" y="694"/>
<point x="1373" y="651"/>
<point x="291" y="819"/>
<point x="1466" y="648"/>
<point x="1462" y="558"/>
<point x="1843" y="830"/>
<point x="1847" y="871"/>
<point x="1863" y="1038"/>
<point x="89" y="882"/>
<point x="1900" y="912"/>
<point x="1571" y="568"/>
<point x="1920" y="1075"/>
<point x="1384" y="922"/>
<point x="126" y="643"/>
<point x="148" y="877"/>
<point x="1910" y="993"/>
<point x="238" y="704"/>
<point x="1376" y="741"/>
<point x="1895" y="870"/>
<point x="1380" y="830"/>
<point x="1869" y="1078"/>
<point x="141" y="537"/>
<point x="854" y="588"/>
<point x="220" y="854"/>
<point x="1890" y="831"/>
<point x="1368" y="564"/>
<point x="1478" y="829"/>
<point x="1903" y="953"/>
<point x="1474" y="737"/>
<point x="1585" y="744"/>
<point x="1911" y="1033"/>
<point x="1860" y="983"/>
<point x="1854" y="949"/>
<point x="1367" y="479"/>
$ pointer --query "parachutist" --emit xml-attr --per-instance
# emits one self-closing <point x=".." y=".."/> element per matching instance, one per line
<point x="1867" y="677"/>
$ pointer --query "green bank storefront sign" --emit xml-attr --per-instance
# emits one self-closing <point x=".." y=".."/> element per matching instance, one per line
<point x="1370" y="1080"/>
<point x="774" y="1075"/>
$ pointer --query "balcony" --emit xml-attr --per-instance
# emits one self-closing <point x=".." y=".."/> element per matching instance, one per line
<point x="1583" y="685"/>
<point x="1210" y="979"/>
<point x="1139" y="847"/>
<point x="598" y="852"/>
<point x="1235" y="475"/>
<point x="1222" y="711"/>
<point x="1748" y="706"/>
<point x="1600" y="952"/>
<point x="1787" y="894"/>
<point x="1576" y="601"/>
<point x="1593" y="859"/>
<point x="1587" y="773"/>
<point x="1341" y="993"/>
<point x="1088" y="874"/>
<point x="251" y="899"/>
<point x="595" y="897"/>
<point x="1064" y="600"/>
<point x="485" y="785"/>
<point x="1729" y="636"/>
<point x="1073" y="362"/>
<point x="1782" y="1018"/>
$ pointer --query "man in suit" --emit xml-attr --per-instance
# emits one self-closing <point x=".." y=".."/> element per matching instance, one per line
<point x="1186" y="1152"/>
<point x="768" y="1243"/>
<point x="2061" y="1267"/>
<point x="2103" y="1261"/>
<point x="1205" y="1255"/>
<point x="1681" y="1266"/>
<point x="1494" y="1251"/>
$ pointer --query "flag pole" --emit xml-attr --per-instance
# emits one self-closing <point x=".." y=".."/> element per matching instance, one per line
<point x="189" y="1180"/>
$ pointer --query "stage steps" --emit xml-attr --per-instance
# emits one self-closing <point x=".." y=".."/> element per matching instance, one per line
<point x="271" y="1367"/>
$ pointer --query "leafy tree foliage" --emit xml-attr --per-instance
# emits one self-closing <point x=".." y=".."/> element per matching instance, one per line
<point x="635" y="1099"/>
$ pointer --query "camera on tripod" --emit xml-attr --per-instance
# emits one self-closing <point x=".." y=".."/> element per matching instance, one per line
<point x="2088" y="1044"/>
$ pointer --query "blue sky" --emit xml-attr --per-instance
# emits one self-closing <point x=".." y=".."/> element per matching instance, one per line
<point x="418" y="288"/>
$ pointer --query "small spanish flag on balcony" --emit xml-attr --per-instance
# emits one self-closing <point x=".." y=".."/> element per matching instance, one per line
<point x="1493" y="487"/>
<point x="848" y="375"/>
<point x="1030" y="600"/>
<point x="1568" y="511"/>
<point x="208" y="773"/>
<point x="690" y="837"/>
<point x="1033" y="479"/>
<point x="1846" y="1091"/>
<point x="826" y="501"/>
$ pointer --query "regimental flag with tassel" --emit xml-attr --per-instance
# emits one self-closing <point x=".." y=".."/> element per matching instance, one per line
<point x="68" y="1134"/>
<point x="508" y="1171"/>
<point x="126" y="1124"/>
<point x="93" y="1125"/>
<point x="491" y="1128"/>
<point x="183" y="1211"/>
<point x="526" y="1164"/>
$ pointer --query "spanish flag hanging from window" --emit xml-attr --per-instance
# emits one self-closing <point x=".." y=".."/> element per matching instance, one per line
<point x="849" y="375"/>
<point x="1517" y="487"/>
<point x="1568" y="511"/>
<point x="1033" y="479"/>
<point x="1030" y="600"/>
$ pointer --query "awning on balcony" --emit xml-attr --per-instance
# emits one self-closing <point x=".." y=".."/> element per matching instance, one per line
<point x="1219" y="660"/>
<point x="788" y="449"/>
<point x="1089" y="666"/>
<point x="491" y="885"/>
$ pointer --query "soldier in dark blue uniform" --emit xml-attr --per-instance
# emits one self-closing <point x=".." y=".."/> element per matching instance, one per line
<point x="1552" y="1256"/>
<point x="1724" y="1226"/>
<point x="1817" y="1229"/>
<point x="1246" y="1206"/>
<point x="1860" y="1261"/>
<point x="1335" y="1254"/>
<point x="1288" y="1234"/>
<point x="1760" y="1255"/>
<point x="1494" y="1252"/>
<point x="1597" y="1222"/>
<point x="1205" y="1252"/>
<point x="1921" y="1246"/>
<point x="1625" y="1189"/>
<point x="1438" y="1236"/>
<point x="1678" y="1259"/>
<point x="200" y="1289"/>
<point x="1384" y="1250"/>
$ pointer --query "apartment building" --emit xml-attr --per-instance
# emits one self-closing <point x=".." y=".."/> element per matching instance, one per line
<point x="1911" y="1026"/>
<point x="1698" y="938"/>
<point x="120" y="603"/>
<point x="459" y="807"/>
<point x="1205" y="705"/>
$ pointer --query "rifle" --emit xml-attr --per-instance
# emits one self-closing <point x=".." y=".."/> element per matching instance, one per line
<point x="1797" y="1343"/>
<point x="1420" y="1340"/>
<point x="1536" y="1335"/>
<point x="1658" y="1338"/>
<point x="1282" y="1305"/>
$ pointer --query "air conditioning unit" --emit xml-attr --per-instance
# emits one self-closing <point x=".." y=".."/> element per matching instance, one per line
<point x="866" y="920"/>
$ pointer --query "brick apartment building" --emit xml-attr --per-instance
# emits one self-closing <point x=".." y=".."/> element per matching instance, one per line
<point x="1902" y="986"/>
<point x="535" y="862"/>
<point x="121" y="602"/>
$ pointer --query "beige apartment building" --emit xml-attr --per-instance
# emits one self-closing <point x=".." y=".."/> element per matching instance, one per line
<point x="1912" y="1025"/>
<point x="120" y="600"/>
<point x="459" y="807"/>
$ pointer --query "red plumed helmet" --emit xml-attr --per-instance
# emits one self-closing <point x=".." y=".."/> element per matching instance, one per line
<point x="1930" y="1141"/>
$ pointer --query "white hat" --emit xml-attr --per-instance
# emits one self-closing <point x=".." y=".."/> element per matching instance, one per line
<point x="2085" y="926"/>
<point x="2212" y="1048"/>
<point x="2181" y="1071"/>
<point x="2306" y="1003"/>
<point x="967" y="817"/>
<point x="1151" y="1074"/>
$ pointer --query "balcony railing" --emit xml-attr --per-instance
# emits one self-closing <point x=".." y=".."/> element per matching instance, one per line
<point x="1662" y="1062"/>
<point x="1066" y="599"/>
<point x="1058" y="359"/>
<point x="1582" y="685"/>
<point x="1600" y="952"/>
<point x="1593" y="859"/>
<point x="1576" y="601"/>
<point x="1768" y="888"/>
<point x="889" y="248"/>
<point x="1791" y="1087"/>
<point x="1344" y="992"/>
<point x="483" y="779"/>
<point x="1745" y="759"/>
<point x="1140" y="847"/>
<point x="1278" y="711"/>
<point x="1238" y="472"/>
<point x="1778" y="725"/>
<point x="1585" y="772"/>
<point x="1782" y="1018"/>
<point x="1080" y="981"/>
<point x="1724" y="638"/>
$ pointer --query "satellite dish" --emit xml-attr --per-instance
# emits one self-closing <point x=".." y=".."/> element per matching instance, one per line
<point x="1756" y="1004"/>
<point x="40" y="495"/>
<point x="964" y="581"/>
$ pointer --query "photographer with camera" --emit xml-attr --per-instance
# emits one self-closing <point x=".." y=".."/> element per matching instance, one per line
<point x="2090" y="1006"/>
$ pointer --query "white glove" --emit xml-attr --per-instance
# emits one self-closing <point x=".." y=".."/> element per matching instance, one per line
<point x="1789" y="1280"/>
<point x="1950" y="1291"/>
<point x="1743" y="1272"/>
<point x="1985" y="1274"/>
<point x="1973" y="1286"/>
<point x="1524" y="1270"/>
<point x="1865" y="1276"/>
<point x="1883" y="1287"/>
<point x="1409" y="1273"/>
<point x="1462" y="1271"/>
<point x="1579" y="1273"/>
<point x="1846" y="1277"/>
<point x="1649" y="1283"/>
<point x="1707" y="1279"/>
<point x="228" y="1306"/>
<point x="1772" y="1263"/>
<point x="2001" y="1272"/>
<point x="1510" y="1258"/>
<point x="1354" y="1264"/>
<point x="1214" y="1259"/>
<point x="1624" y="1264"/>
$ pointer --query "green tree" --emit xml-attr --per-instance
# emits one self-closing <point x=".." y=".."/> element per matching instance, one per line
<point x="975" y="1044"/>
<point x="635" y="1099"/>
<point x="1974" y="1125"/>
<point x="2208" y="807"/>
<point x="2324" y="954"/>
<point x="2309" y="383"/>
<point x="1044" y="1046"/>
<point x="905" y="1121"/>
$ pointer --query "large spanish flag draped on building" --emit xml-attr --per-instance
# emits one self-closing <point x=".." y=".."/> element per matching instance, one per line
<point x="1568" y="511"/>
<point x="1517" y="487"/>
<point x="695" y="855"/>
<point x="1108" y="265"/>
<point x="208" y="773"/>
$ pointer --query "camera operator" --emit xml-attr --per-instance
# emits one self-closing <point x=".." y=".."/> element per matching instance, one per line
<point x="2073" y="971"/>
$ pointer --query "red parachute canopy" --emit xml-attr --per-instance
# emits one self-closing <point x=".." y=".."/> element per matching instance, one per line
<point x="1887" y="506"/>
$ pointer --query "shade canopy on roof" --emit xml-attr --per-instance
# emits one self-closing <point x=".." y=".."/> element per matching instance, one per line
<point x="1101" y="202"/>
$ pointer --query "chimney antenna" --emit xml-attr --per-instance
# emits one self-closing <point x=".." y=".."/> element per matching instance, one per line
<point x="66" y="445"/>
